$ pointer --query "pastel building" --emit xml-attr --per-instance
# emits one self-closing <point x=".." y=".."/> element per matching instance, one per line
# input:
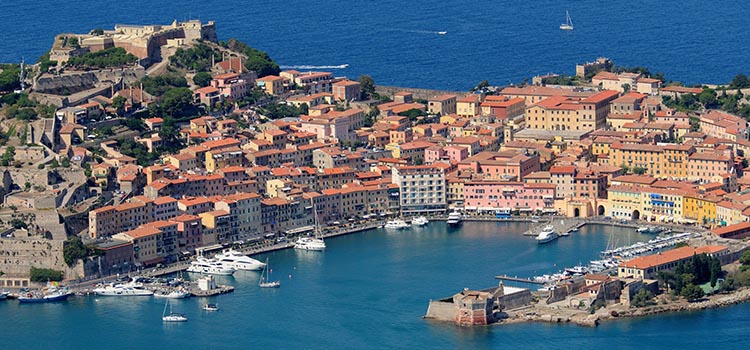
<point x="493" y="195"/>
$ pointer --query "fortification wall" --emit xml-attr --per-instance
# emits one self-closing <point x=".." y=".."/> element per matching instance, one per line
<point x="73" y="82"/>
<point x="18" y="256"/>
<point x="441" y="310"/>
<point x="417" y="93"/>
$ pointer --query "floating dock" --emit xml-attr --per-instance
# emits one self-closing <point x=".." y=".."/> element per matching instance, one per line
<point x="211" y="292"/>
<point x="560" y="226"/>
<point x="517" y="279"/>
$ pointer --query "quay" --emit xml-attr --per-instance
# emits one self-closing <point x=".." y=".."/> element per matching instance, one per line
<point x="561" y="226"/>
<point x="222" y="289"/>
<point x="517" y="279"/>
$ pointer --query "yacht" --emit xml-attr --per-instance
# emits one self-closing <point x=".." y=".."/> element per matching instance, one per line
<point x="47" y="295"/>
<point x="172" y="316"/>
<point x="420" y="221"/>
<point x="265" y="279"/>
<point x="396" y="224"/>
<point x="238" y="261"/>
<point x="210" y="267"/>
<point x="454" y="219"/>
<point x="310" y="243"/>
<point x="172" y="294"/>
<point x="577" y="270"/>
<point x="443" y="32"/>
<point x="3" y="295"/>
<point x="548" y="234"/>
<point x="123" y="290"/>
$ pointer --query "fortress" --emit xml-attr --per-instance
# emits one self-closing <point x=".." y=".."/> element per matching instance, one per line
<point x="144" y="42"/>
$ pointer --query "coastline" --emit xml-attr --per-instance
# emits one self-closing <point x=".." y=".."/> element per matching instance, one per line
<point x="546" y="314"/>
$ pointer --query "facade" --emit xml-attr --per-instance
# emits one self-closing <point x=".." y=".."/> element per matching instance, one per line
<point x="422" y="189"/>
<point x="647" y="267"/>
<point x="493" y="195"/>
<point x="442" y="105"/>
<point x="564" y="113"/>
<point x="346" y="90"/>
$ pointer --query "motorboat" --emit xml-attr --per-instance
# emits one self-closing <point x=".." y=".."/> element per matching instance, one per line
<point x="238" y="261"/>
<point x="47" y="295"/>
<point x="577" y="270"/>
<point x="547" y="235"/>
<point x="565" y="234"/>
<point x="123" y="290"/>
<point x="396" y="224"/>
<point x="310" y="243"/>
<point x="172" y="316"/>
<point x="443" y="32"/>
<point x="210" y="307"/>
<point x="420" y="221"/>
<point x="210" y="267"/>
<point x="454" y="219"/>
<point x="265" y="279"/>
<point x="4" y="295"/>
<point x="178" y="293"/>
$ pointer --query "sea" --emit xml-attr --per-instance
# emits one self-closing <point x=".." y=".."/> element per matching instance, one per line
<point x="398" y="42"/>
<point x="369" y="290"/>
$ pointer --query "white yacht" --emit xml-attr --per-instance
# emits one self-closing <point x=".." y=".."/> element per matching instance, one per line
<point x="3" y="295"/>
<point x="420" y="221"/>
<point x="397" y="224"/>
<point x="310" y="243"/>
<point x="577" y="270"/>
<point x="123" y="290"/>
<point x="548" y="234"/>
<point x="568" y="25"/>
<point x="172" y="294"/>
<point x="210" y="267"/>
<point x="454" y="219"/>
<point x="238" y="261"/>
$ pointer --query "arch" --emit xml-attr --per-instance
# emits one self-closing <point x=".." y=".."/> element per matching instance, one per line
<point x="600" y="210"/>
<point x="636" y="215"/>
<point x="576" y="212"/>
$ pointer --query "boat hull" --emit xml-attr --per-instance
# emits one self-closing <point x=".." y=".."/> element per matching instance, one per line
<point x="47" y="299"/>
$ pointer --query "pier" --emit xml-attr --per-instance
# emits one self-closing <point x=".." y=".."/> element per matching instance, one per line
<point x="560" y="226"/>
<point x="518" y="279"/>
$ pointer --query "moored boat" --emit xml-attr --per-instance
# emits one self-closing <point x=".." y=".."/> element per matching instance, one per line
<point x="310" y="243"/>
<point x="238" y="261"/>
<point x="172" y="316"/>
<point x="172" y="294"/>
<point x="123" y="290"/>
<point x="210" y="307"/>
<point x="547" y="235"/>
<point x="210" y="267"/>
<point x="420" y="221"/>
<point x="454" y="219"/>
<point x="396" y="224"/>
<point x="46" y="295"/>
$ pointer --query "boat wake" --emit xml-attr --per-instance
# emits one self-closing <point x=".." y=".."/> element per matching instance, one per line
<point x="421" y="31"/>
<point x="341" y="66"/>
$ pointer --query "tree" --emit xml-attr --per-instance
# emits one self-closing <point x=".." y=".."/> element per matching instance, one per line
<point x="692" y="292"/>
<point x="481" y="86"/>
<point x="45" y="275"/>
<point x="626" y="88"/>
<point x="202" y="79"/>
<point x="74" y="250"/>
<point x="642" y="298"/>
<point x="9" y="79"/>
<point x="169" y="134"/>
<point x="111" y="57"/>
<point x="118" y="103"/>
<point x="740" y="81"/>
<point x="639" y="170"/>
<point x="366" y="87"/>
<point x="177" y="102"/>
<point x="18" y="224"/>
<point x="160" y="84"/>
<point x="257" y="60"/>
<point x="708" y="98"/>
<point x="8" y="156"/>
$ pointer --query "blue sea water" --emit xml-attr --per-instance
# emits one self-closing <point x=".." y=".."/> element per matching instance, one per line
<point x="368" y="291"/>
<point x="397" y="43"/>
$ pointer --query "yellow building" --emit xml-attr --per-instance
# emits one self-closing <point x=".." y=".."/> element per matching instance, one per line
<point x="658" y="161"/>
<point x="700" y="208"/>
<point x="564" y="113"/>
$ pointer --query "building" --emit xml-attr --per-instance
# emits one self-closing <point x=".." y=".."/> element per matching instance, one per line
<point x="565" y="113"/>
<point x="507" y="165"/>
<point x="231" y="85"/>
<point x="442" y="105"/>
<point x="272" y="84"/>
<point x="346" y="90"/>
<point x="647" y="267"/>
<point x="517" y="196"/>
<point x="422" y="189"/>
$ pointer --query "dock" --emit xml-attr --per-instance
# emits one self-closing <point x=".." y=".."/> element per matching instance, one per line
<point x="517" y="279"/>
<point x="560" y="226"/>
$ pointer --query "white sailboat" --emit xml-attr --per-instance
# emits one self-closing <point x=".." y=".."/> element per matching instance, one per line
<point x="172" y="317"/>
<point x="568" y="25"/>
<point x="311" y="243"/>
<point x="265" y="279"/>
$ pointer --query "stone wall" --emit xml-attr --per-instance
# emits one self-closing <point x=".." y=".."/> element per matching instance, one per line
<point x="417" y="93"/>
<point x="17" y="256"/>
<point x="49" y="87"/>
<point x="515" y="300"/>
<point x="441" y="310"/>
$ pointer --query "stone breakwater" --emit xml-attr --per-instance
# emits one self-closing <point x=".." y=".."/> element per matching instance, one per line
<point x="715" y="301"/>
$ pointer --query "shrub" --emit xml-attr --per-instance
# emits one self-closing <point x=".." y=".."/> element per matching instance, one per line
<point x="44" y="275"/>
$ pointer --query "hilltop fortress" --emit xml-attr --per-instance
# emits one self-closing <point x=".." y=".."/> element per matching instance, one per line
<point x="144" y="42"/>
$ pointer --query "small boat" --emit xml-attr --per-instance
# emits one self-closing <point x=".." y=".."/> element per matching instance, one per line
<point x="420" y="221"/>
<point x="547" y="235"/>
<point x="172" y="316"/>
<point x="565" y="234"/>
<point x="210" y="267"/>
<point x="454" y="219"/>
<point x="396" y="224"/>
<point x="265" y="279"/>
<point x="172" y="294"/>
<point x="442" y="32"/>
<point x="238" y="261"/>
<point x="210" y="307"/>
<point x="568" y="25"/>
<point x="4" y="295"/>
<point x="47" y="295"/>
<point x="123" y="290"/>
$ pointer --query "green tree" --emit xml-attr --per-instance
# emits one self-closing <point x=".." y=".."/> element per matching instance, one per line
<point x="160" y="84"/>
<point x="45" y="275"/>
<point x="197" y="58"/>
<point x="9" y="79"/>
<point x="74" y="250"/>
<point x="692" y="292"/>
<point x="740" y="81"/>
<point x="258" y="61"/>
<point x="18" y="224"/>
<point x="178" y="102"/>
<point x="482" y="85"/>
<point x="366" y="87"/>
<point x="8" y="156"/>
<point x="639" y="170"/>
<point x="642" y="298"/>
<point x="45" y="111"/>
<point x="111" y="57"/>
<point x="118" y="103"/>
<point x="626" y="88"/>
<point x="202" y="79"/>
<point x="170" y="135"/>
<point x="708" y="98"/>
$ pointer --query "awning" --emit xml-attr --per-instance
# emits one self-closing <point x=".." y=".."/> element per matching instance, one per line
<point x="549" y="210"/>
<point x="297" y="230"/>
<point x="208" y="248"/>
<point x="153" y="261"/>
<point x="525" y="209"/>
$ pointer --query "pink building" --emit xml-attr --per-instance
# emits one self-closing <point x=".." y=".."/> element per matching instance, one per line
<point x="524" y="197"/>
<point x="506" y="165"/>
<point x="230" y="85"/>
<point x="456" y="153"/>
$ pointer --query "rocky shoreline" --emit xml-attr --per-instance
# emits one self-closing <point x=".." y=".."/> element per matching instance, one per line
<point x="614" y="312"/>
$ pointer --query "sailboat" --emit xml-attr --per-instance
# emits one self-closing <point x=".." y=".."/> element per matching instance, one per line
<point x="172" y="317"/>
<point x="568" y="25"/>
<point x="311" y="243"/>
<point x="265" y="277"/>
